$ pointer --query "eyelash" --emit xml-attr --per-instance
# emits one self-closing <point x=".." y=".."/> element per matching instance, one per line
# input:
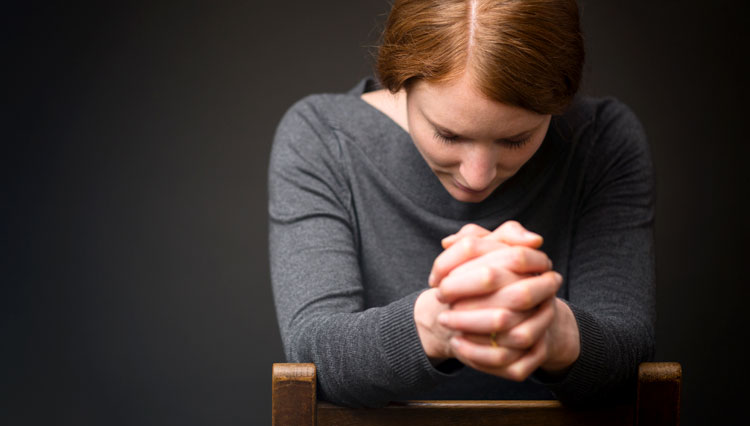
<point x="446" y="139"/>
<point x="508" y="143"/>
<point x="517" y="143"/>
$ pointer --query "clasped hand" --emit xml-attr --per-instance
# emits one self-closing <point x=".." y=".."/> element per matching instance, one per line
<point x="493" y="305"/>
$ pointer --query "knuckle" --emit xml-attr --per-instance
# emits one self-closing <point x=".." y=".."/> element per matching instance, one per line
<point x="522" y="338"/>
<point x="469" y="228"/>
<point x="488" y="277"/>
<point x="498" y="320"/>
<point x="523" y="373"/>
<point x="518" y="256"/>
<point x="510" y="224"/>
<point x="499" y="356"/>
<point x="515" y="373"/>
<point x="469" y="246"/>
<point x="504" y="277"/>
<point x="522" y="297"/>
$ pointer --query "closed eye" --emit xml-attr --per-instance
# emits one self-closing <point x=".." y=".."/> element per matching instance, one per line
<point x="516" y="143"/>
<point x="446" y="138"/>
<point x="508" y="143"/>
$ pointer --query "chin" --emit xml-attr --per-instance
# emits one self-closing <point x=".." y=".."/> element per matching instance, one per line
<point x="465" y="197"/>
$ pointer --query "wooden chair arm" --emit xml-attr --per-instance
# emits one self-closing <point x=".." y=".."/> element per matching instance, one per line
<point x="658" y="399"/>
<point x="293" y="395"/>
<point x="294" y="403"/>
<point x="473" y="413"/>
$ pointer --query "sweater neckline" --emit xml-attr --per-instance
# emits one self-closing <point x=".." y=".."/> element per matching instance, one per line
<point x="408" y="171"/>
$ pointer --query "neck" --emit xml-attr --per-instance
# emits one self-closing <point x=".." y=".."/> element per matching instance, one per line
<point x="391" y="104"/>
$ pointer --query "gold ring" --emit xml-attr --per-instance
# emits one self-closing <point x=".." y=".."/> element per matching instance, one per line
<point x="493" y="340"/>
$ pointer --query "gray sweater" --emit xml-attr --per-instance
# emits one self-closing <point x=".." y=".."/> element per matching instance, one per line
<point x="356" y="219"/>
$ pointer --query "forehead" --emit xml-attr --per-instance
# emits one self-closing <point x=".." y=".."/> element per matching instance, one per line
<point x="459" y="107"/>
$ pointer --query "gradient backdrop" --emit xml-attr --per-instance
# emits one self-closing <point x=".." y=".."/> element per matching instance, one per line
<point x="134" y="284"/>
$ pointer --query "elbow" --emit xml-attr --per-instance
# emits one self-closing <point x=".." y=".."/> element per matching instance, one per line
<point x="332" y="385"/>
<point x="338" y="390"/>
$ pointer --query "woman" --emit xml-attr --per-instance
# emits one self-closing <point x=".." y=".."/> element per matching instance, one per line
<point x="471" y="230"/>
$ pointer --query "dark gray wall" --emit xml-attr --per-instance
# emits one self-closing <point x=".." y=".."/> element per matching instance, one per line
<point x="134" y="285"/>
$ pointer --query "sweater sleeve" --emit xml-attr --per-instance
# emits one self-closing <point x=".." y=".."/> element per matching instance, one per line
<point x="610" y="277"/>
<point x="364" y="356"/>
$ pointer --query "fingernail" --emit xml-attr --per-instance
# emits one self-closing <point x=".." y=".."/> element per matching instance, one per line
<point x="431" y="280"/>
<point x="454" y="342"/>
<point x="529" y="234"/>
<point x="443" y="318"/>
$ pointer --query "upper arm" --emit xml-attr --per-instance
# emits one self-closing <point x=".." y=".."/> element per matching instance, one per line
<point x="612" y="264"/>
<point x="314" y="266"/>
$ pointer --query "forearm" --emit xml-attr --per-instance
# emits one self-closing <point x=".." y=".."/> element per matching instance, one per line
<point x="610" y="350"/>
<point x="363" y="358"/>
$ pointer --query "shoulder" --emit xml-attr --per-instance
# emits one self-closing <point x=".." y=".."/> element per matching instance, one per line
<point x="586" y="114"/>
<point x="610" y="148"/>
<point x="605" y="129"/>
<point x="310" y="127"/>
<point x="604" y="122"/>
<point x="330" y="118"/>
<point x="306" y="160"/>
<point x="319" y="112"/>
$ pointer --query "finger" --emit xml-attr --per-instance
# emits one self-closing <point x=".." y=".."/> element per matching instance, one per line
<point x="517" y="370"/>
<point x="527" y="333"/>
<point x="470" y="283"/>
<point x="482" y="321"/>
<point x="484" y="354"/>
<point x="518" y="259"/>
<point x="522" y="368"/>
<point x="468" y="230"/>
<point x="489" y="272"/>
<point x="513" y="233"/>
<point x="466" y="249"/>
<point x="530" y="292"/>
<point x="522" y="295"/>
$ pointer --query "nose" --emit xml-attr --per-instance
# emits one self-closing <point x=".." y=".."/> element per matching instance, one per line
<point x="479" y="166"/>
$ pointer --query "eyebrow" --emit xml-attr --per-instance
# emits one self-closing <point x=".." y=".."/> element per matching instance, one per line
<point x="441" y="129"/>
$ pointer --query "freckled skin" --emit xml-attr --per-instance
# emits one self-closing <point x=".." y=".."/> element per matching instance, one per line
<point x="481" y="159"/>
<point x="483" y="144"/>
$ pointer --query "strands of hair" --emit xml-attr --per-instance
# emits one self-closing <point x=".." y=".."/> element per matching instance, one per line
<point x="472" y="23"/>
<point x="523" y="53"/>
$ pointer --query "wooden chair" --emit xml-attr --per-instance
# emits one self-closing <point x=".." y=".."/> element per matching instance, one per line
<point x="657" y="403"/>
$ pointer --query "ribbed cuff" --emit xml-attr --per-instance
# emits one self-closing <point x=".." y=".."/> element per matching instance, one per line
<point x="403" y="350"/>
<point x="584" y="379"/>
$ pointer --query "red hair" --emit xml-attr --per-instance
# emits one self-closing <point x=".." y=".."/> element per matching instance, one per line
<point x="526" y="53"/>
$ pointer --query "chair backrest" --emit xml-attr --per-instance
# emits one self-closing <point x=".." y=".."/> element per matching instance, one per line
<point x="657" y="402"/>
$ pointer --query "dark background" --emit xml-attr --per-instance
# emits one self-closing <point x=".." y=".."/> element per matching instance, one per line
<point x="134" y="285"/>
